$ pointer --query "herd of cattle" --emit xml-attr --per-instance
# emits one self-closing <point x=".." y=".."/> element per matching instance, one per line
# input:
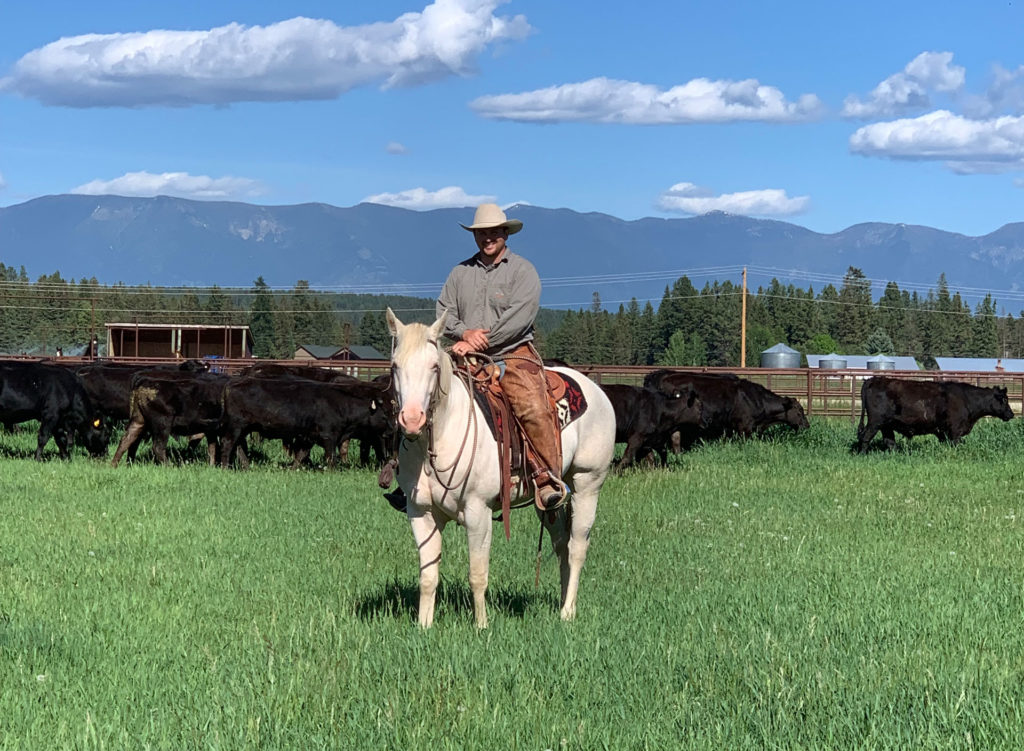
<point x="309" y="406"/>
<point x="301" y="406"/>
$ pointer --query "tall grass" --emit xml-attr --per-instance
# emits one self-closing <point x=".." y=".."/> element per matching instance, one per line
<point x="762" y="594"/>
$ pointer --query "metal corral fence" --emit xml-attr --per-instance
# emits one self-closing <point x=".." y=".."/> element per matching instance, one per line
<point x="823" y="393"/>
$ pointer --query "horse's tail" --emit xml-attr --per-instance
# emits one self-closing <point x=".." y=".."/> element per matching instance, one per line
<point x="863" y="409"/>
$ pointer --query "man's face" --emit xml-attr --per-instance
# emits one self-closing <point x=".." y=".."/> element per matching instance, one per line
<point x="491" y="242"/>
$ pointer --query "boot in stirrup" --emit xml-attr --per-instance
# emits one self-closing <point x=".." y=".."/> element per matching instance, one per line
<point x="551" y="493"/>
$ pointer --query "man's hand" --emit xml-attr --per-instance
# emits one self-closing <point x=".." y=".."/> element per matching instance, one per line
<point x="473" y="340"/>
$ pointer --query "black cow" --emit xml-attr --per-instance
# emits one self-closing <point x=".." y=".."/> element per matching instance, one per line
<point x="109" y="384"/>
<point x="769" y="408"/>
<point x="371" y="436"/>
<point x="310" y="372"/>
<point x="723" y="405"/>
<point x="730" y="405"/>
<point x="55" y="397"/>
<point x="645" y="420"/>
<point x="302" y="412"/>
<point x="165" y="403"/>
<point x="947" y="409"/>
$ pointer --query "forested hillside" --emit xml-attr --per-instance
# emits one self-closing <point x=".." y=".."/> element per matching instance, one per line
<point x="689" y="326"/>
<point x="702" y="327"/>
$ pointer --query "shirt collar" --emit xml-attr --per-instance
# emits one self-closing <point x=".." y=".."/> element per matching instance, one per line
<point x="479" y="261"/>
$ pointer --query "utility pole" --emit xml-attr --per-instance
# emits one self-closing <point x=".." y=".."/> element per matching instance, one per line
<point x="743" y="323"/>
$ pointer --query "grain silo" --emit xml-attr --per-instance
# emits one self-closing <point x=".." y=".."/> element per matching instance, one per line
<point x="780" y="356"/>
<point x="832" y="362"/>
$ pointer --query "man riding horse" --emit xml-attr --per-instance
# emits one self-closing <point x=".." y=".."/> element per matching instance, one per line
<point x="491" y="300"/>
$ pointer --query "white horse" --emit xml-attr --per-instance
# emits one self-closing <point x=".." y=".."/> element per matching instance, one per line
<point x="448" y="467"/>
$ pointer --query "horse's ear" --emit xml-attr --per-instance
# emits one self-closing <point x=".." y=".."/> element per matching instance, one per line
<point x="437" y="326"/>
<point x="394" y="325"/>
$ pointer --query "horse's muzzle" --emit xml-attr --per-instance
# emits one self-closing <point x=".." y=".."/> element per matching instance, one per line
<point x="412" y="422"/>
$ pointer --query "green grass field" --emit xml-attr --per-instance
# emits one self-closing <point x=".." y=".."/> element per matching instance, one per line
<point x="780" y="594"/>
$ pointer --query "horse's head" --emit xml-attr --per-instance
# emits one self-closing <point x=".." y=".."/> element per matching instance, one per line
<point x="420" y="371"/>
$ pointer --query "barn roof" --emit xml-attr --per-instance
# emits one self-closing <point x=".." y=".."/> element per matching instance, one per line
<point x="366" y="352"/>
<point x="321" y="351"/>
<point x="980" y="364"/>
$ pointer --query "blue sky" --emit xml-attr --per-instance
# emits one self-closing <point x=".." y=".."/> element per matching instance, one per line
<point x="821" y="114"/>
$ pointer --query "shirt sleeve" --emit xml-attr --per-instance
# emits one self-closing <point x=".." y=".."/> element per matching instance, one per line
<point x="517" y="320"/>
<point x="454" y="327"/>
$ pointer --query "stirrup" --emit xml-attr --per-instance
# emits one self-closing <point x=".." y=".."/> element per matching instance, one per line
<point x="555" y="497"/>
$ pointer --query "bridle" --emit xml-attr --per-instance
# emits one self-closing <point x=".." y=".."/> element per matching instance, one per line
<point x="437" y="394"/>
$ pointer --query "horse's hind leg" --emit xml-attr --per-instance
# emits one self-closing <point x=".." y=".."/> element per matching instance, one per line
<point x="570" y="536"/>
<point x="427" y="532"/>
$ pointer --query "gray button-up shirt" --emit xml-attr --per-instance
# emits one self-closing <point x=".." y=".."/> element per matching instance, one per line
<point x="504" y="298"/>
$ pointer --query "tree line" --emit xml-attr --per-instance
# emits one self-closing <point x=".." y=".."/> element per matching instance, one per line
<point x="690" y="326"/>
<point x="52" y="312"/>
<point x="694" y="327"/>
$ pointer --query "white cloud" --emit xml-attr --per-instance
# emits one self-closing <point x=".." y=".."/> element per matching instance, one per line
<point x="296" y="59"/>
<point x="908" y="90"/>
<point x="421" y="199"/>
<point x="967" y="146"/>
<point x="687" y="198"/>
<point x="605" y="100"/>
<point x="394" y="147"/>
<point x="3" y="183"/>
<point x="179" y="184"/>
<point x="1005" y="94"/>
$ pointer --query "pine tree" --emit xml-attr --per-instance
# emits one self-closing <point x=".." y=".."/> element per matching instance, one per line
<point x="620" y="342"/>
<point x="853" y="318"/>
<point x="647" y="335"/>
<point x="959" y="327"/>
<point x="890" y="317"/>
<point x="878" y="343"/>
<point x="1005" y="326"/>
<point x="823" y="320"/>
<point x="261" y="318"/>
<point x="984" y="340"/>
<point x="679" y="311"/>
<point x="721" y="330"/>
<point x="217" y="306"/>
<point x="301" y="303"/>
<point x="189" y="309"/>
<point x="686" y="349"/>
<point x="937" y="313"/>
<point x="759" y="338"/>
<point x="373" y="332"/>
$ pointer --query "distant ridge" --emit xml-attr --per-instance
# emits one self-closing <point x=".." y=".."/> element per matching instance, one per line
<point x="174" y="241"/>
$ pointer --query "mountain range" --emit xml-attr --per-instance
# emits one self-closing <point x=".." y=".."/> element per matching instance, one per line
<point x="172" y="241"/>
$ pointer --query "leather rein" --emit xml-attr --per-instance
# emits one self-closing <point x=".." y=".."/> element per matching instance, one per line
<point x="467" y="379"/>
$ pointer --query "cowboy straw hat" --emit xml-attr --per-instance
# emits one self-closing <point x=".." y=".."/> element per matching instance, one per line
<point x="488" y="215"/>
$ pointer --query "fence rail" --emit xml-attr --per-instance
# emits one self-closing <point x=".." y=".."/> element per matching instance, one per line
<point x="823" y="393"/>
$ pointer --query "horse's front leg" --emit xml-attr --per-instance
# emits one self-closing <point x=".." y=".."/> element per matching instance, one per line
<point x="426" y="529"/>
<point x="478" y="535"/>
